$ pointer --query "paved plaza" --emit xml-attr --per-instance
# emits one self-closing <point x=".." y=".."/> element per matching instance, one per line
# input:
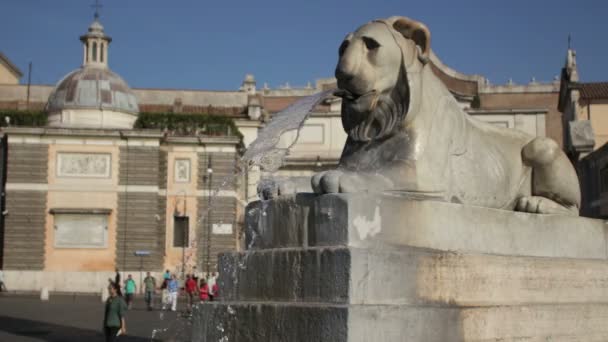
<point x="66" y="318"/>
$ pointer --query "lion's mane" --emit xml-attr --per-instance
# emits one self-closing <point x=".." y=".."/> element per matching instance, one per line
<point x="387" y="112"/>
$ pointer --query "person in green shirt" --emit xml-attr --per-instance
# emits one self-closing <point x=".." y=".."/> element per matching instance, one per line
<point x="114" y="323"/>
<point x="150" y="287"/>
<point x="130" y="290"/>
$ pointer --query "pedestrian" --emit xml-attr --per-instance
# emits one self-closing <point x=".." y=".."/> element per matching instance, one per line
<point x="167" y="275"/>
<point x="173" y="288"/>
<point x="164" y="294"/>
<point x="203" y="291"/>
<point x="130" y="288"/>
<point x="2" y="285"/>
<point x="150" y="288"/>
<point x="117" y="281"/>
<point x="194" y="275"/>
<point x="190" y="291"/>
<point x="216" y="291"/>
<point x="211" y="282"/>
<point x="114" y="323"/>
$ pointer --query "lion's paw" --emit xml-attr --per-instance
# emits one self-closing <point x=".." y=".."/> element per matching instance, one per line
<point x="543" y="205"/>
<point x="337" y="181"/>
<point x="273" y="188"/>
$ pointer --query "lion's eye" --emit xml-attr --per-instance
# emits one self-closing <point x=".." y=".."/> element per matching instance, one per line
<point x="370" y="43"/>
<point x="343" y="47"/>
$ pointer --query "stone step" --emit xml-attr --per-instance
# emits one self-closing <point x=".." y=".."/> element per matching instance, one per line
<point x="409" y="276"/>
<point x="378" y="220"/>
<point x="252" y="322"/>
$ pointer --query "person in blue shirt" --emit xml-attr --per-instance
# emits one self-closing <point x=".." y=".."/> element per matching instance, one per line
<point x="173" y="288"/>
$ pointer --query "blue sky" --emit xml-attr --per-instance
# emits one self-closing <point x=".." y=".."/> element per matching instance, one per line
<point x="213" y="44"/>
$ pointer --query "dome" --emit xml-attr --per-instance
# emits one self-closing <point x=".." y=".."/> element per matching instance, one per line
<point x="88" y="90"/>
<point x="93" y="88"/>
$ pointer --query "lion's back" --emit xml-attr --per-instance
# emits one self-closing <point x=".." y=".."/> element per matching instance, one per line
<point x="491" y="164"/>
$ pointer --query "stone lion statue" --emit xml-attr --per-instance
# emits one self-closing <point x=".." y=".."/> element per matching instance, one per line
<point x="406" y="133"/>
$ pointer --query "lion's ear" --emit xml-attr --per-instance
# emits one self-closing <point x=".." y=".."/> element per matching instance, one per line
<point x="416" y="31"/>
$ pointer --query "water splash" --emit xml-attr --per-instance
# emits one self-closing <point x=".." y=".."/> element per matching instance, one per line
<point x="264" y="150"/>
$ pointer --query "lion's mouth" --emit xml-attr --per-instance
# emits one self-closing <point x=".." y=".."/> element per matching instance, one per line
<point x="351" y="96"/>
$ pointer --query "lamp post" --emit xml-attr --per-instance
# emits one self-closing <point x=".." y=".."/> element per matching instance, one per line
<point x="209" y="230"/>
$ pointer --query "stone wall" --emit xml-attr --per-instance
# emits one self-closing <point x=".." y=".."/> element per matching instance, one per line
<point x="223" y="212"/>
<point x="139" y="165"/>
<point x="223" y="206"/>
<point x="24" y="232"/>
<point x="138" y="230"/>
<point x="27" y="163"/>
<point x="138" y="226"/>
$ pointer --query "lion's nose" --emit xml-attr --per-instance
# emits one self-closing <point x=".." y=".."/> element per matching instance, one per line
<point x="341" y="75"/>
<point x="349" y="61"/>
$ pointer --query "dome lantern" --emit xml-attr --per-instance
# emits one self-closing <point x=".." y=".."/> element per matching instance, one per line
<point x="95" y="44"/>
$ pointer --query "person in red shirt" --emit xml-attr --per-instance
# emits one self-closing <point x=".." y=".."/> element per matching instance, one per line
<point x="190" y="291"/>
<point x="203" y="290"/>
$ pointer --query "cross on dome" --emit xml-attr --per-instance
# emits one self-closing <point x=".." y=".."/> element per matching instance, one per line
<point x="97" y="6"/>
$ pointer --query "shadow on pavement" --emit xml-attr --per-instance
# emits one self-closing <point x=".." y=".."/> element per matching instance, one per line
<point x="55" y="333"/>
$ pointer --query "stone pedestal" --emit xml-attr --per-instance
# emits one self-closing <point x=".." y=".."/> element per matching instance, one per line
<point x="363" y="267"/>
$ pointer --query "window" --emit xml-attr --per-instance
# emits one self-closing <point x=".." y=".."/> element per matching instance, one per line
<point x="86" y="52"/>
<point x="101" y="52"/>
<point x="181" y="231"/>
<point x="81" y="230"/>
<point x="94" y="52"/>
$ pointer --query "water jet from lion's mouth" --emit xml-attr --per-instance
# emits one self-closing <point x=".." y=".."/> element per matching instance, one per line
<point x="263" y="151"/>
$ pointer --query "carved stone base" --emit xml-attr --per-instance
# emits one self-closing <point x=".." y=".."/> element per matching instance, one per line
<point x="384" y="268"/>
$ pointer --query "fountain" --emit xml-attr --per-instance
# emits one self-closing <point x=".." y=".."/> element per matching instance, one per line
<point x="435" y="227"/>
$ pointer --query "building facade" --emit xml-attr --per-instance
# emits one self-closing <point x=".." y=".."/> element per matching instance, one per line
<point x="88" y="193"/>
<point x="585" y="114"/>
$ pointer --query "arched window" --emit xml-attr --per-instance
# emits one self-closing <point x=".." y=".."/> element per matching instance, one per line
<point x="101" y="52"/>
<point x="86" y="52"/>
<point x="94" y="52"/>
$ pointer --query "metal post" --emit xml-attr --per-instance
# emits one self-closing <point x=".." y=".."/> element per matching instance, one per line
<point x="141" y="254"/>
<point x="183" y="250"/>
<point x="141" y="270"/>
<point x="210" y="182"/>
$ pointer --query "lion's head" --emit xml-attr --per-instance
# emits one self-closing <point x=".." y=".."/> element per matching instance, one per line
<point x="376" y="75"/>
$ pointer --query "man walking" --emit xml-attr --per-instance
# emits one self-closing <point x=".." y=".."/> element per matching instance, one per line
<point x="173" y="288"/>
<point x="190" y="291"/>
<point x="150" y="288"/>
<point x="114" y="323"/>
<point x="130" y="291"/>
